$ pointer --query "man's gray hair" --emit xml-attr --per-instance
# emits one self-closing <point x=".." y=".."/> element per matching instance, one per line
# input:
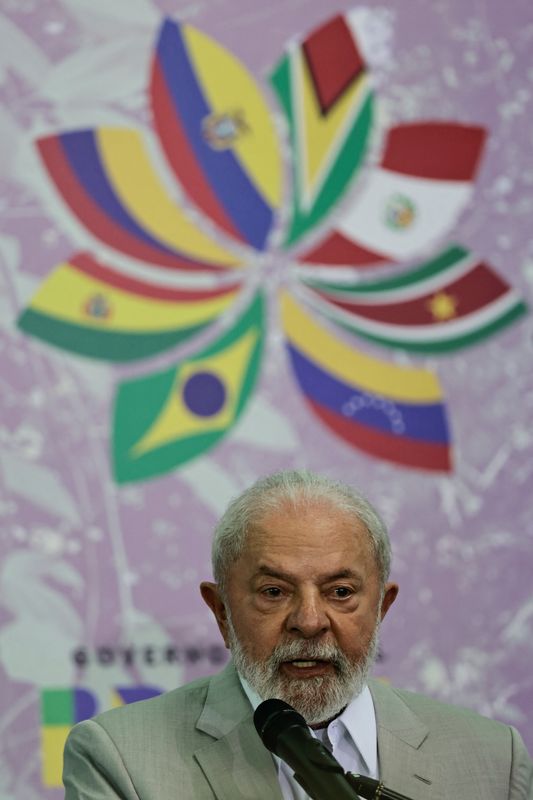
<point x="293" y="488"/>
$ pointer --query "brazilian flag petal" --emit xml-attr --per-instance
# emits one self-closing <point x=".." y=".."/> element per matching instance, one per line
<point x="169" y="417"/>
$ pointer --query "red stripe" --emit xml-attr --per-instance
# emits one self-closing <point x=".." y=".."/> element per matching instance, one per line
<point x="398" y="449"/>
<point x="336" y="249"/>
<point x="84" y="262"/>
<point x="180" y="154"/>
<point x="333" y="60"/>
<point x="478" y="288"/>
<point x="438" y="150"/>
<point x="95" y="220"/>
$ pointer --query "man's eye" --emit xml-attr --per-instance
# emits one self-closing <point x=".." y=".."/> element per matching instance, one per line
<point x="272" y="591"/>
<point x="341" y="592"/>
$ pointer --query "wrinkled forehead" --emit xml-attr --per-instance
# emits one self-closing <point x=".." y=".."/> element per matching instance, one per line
<point x="317" y="524"/>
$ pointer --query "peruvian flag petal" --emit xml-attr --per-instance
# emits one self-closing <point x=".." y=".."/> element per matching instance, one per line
<point x="411" y="200"/>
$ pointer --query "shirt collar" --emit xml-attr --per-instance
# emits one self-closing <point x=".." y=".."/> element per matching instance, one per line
<point x="358" y="719"/>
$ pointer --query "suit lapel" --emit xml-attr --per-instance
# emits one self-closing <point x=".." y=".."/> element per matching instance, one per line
<point x="404" y="765"/>
<point x="236" y="763"/>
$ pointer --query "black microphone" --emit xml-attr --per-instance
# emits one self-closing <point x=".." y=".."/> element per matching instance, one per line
<point x="286" y="733"/>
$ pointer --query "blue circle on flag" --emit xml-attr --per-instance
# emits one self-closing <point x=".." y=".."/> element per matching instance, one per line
<point x="204" y="394"/>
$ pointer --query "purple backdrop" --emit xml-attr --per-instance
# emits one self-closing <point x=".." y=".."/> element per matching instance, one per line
<point x="98" y="586"/>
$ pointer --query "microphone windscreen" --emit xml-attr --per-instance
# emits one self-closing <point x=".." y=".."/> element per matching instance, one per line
<point x="272" y="717"/>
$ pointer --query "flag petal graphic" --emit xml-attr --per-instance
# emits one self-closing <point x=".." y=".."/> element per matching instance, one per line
<point x="167" y="418"/>
<point x="450" y="302"/>
<point x="391" y="412"/>
<point x="107" y="179"/>
<point x="90" y="309"/>
<point x="217" y="133"/>
<point x="323" y="87"/>
<point x="424" y="181"/>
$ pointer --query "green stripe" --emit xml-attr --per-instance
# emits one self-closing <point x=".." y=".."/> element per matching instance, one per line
<point x="347" y="162"/>
<point x="445" y="345"/>
<point x="101" y="344"/>
<point x="446" y="259"/>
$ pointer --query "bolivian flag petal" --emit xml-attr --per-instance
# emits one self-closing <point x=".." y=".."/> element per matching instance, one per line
<point x="424" y="181"/>
<point x="323" y="87"/>
<point x="172" y="416"/>
<point x="217" y="132"/>
<point x="391" y="412"/>
<point x="107" y="179"/>
<point x="91" y="309"/>
<point x="449" y="302"/>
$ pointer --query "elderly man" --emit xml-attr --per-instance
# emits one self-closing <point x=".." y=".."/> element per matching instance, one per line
<point x="301" y="567"/>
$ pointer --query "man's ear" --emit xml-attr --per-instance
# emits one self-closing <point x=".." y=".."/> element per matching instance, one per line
<point x="389" y="596"/>
<point x="213" y="598"/>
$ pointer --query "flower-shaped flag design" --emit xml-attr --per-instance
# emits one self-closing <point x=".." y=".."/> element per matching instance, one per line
<point x="217" y="134"/>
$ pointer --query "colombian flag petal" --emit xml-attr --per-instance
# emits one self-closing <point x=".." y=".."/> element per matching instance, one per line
<point x="323" y="87"/>
<point x="424" y="181"/>
<point x="170" y="417"/>
<point x="449" y="302"/>
<point x="90" y="309"/>
<point x="109" y="182"/>
<point x="391" y="412"/>
<point x="217" y="132"/>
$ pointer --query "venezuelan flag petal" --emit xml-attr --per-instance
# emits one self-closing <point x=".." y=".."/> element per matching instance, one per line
<point x="109" y="183"/>
<point x="423" y="183"/>
<point x="323" y="87"/>
<point x="391" y="412"/>
<point x="91" y="309"/>
<point x="449" y="302"/>
<point x="170" y="417"/>
<point x="217" y="132"/>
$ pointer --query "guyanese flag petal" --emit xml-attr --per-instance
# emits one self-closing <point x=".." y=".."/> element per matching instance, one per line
<point x="424" y="181"/>
<point x="323" y="87"/>
<point x="107" y="179"/>
<point x="91" y="309"/>
<point x="449" y="302"/>
<point x="391" y="412"/>
<point x="169" y="417"/>
<point x="217" y="132"/>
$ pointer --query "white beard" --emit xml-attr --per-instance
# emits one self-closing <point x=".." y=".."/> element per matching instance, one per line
<point x="317" y="699"/>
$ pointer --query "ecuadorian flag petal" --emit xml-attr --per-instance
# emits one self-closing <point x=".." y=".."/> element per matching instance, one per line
<point x="391" y="412"/>
<point x="107" y="179"/>
<point x="217" y="132"/>
<point x="170" y="417"/>
<point x="90" y="309"/>
<point x="323" y="87"/>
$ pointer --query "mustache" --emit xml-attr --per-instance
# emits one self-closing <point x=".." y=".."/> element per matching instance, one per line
<point x="307" y="651"/>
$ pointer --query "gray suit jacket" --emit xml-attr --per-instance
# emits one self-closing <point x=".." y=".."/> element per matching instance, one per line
<point x="199" y="742"/>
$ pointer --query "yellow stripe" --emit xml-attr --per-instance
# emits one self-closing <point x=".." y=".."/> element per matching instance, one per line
<point x="53" y="738"/>
<point x="142" y="193"/>
<point x="69" y="295"/>
<point x="230" y="89"/>
<point x="353" y="367"/>
<point x="176" y="421"/>
<point x="321" y="135"/>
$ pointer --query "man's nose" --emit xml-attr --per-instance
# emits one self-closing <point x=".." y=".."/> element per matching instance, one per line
<point x="308" y="616"/>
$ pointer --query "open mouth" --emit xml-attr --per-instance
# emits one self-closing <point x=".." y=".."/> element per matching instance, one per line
<point x="304" y="666"/>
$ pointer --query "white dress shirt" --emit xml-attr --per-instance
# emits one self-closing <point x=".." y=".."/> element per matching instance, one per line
<point x="351" y="737"/>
